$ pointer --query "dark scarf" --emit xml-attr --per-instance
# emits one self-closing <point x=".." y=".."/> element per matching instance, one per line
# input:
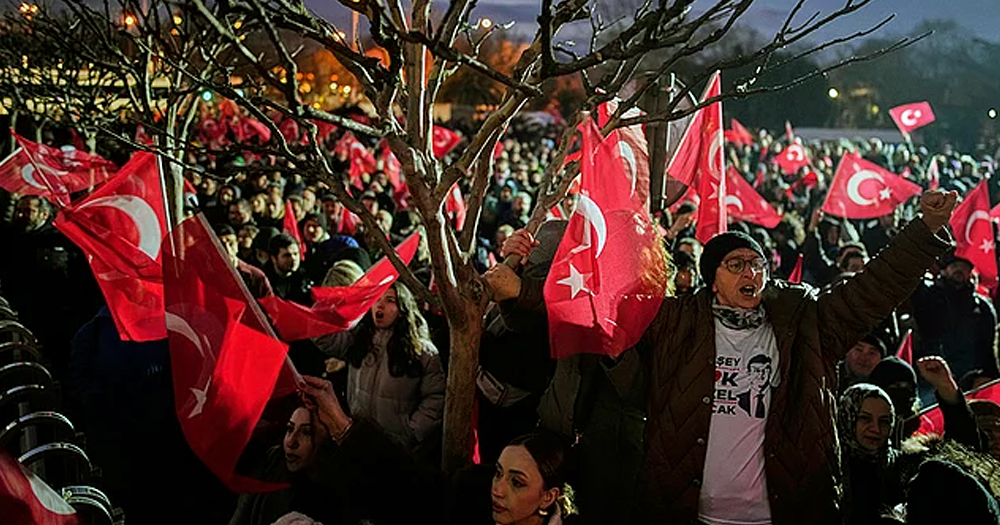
<point x="739" y="318"/>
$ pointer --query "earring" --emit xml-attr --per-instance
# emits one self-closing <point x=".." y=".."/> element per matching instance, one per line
<point x="542" y="512"/>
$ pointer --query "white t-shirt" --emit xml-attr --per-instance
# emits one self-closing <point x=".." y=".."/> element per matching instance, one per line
<point x="734" y="485"/>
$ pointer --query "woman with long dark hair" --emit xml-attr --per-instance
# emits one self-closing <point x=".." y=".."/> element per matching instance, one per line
<point x="395" y="377"/>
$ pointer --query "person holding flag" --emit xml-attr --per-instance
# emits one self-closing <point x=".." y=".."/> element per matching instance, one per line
<point x="741" y="418"/>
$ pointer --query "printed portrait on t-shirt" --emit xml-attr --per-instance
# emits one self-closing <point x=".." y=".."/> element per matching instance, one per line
<point x="754" y="401"/>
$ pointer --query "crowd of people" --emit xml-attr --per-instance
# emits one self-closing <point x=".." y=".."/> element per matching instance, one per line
<point x="749" y="400"/>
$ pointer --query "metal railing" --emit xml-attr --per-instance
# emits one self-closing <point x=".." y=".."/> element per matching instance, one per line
<point x="33" y="430"/>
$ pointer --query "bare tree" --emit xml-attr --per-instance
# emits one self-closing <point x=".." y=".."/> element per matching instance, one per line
<point x="239" y="49"/>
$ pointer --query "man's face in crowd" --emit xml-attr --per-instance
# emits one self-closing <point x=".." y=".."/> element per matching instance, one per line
<point x="30" y="214"/>
<point x="231" y="245"/>
<point x="226" y="195"/>
<point x="371" y="204"/>
<point x="313" y="231"/>
<point x="957" y="274"/>
<point x="741" y="289"/>
<point x="274" y="206"/>
<point x="245" y="238"/>
<point x="862" y="358"/>
<point x="308" y="200"/>
<point x="332" y="209"/>
<point x="506" y="194"/>
<point x="521" y="204"/>
<point x="238" y="215"/>
<point x="287" y="260"/>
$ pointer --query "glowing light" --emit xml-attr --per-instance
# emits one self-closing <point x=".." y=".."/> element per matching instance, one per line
<point x="485" y="23"/>
<point x="130" y="20"/>
<point x="207" y="96"/>
<point x="833" y="93"/>
<point x="347" y="90"/>
<point x="237" y="24"/>
<point x="178" y="20"/>
<point x="992" y="113"/>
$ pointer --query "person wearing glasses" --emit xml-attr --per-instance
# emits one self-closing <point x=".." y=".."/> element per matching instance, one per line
<point x="741" y="416"/>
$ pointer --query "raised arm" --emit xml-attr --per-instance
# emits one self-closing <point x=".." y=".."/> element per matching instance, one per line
<point x="854" y="306"/>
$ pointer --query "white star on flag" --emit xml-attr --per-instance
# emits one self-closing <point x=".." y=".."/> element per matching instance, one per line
<point x="200" y="396"/>
<point x="576" y="281"/>
<point x="987" y="246"/>
<point x="884" y="194"/>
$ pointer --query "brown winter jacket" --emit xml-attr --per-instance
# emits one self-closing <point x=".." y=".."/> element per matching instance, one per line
<point x="813" y="331"/>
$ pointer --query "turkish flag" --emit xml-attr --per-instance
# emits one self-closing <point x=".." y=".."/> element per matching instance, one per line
<point x="361" y="160"/>
<point x="52" y="173"/>
<point x="225" y="364"/>
<point x="633" y="149"/>
<point x="863" y="190"/>
<point x="739" y="135"/>
<point x="393" y="169"/>
<point x="454" y="203"/>
<point x="120" y="227"/>
<point x="932" y="421"/>
<point x="909" y="117"/>
<point x="444" y="140"/>
<point x="905" y="351"/>
<point x="252" y="127"/>
<point x="745" y="204"/>
<point x="337" y="308"/>
<point x="291" y="227"/>
<point x="702" y="140"/>
<point x="711" y="183"/>
<point x="604" y="289"/>
<point x="27" y="500"/>
<point x="973" y="229"/>
<point x="792" y="158"/>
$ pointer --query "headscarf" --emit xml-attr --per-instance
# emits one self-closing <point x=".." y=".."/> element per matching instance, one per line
<point x="848" y="411"/>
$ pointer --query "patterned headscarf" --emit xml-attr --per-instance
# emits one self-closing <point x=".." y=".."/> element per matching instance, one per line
<point x="848" y="411"/>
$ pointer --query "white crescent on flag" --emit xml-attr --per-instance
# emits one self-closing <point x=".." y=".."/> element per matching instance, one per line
<point x="28" y="174"/>
<point x="978" y="215"/>
<point x="734" y="201"/>
<point x="179" y="326"/>
<point x="629" y="157"/>
<point x="854" y="187"/>
<point x="593" y="217"/>
<point x="142" y="214"/>
<point x="910" y="117"/>
<point x="715" y="153"/>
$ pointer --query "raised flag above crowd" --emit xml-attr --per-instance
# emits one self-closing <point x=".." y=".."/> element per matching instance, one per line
<point x="864" y="190"/>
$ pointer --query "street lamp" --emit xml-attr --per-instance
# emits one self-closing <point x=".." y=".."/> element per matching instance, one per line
<point x="833" y="93"/>
<point x="129" y="20"/>
<point x="485" y="23"/>
<point x="992" y="113"/>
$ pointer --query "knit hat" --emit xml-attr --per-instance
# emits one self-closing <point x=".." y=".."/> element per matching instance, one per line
<point x="892" y="370"/>
<point x="719" y="247"/>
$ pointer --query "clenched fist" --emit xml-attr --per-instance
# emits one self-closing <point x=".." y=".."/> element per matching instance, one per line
<point x="936" y="206"/>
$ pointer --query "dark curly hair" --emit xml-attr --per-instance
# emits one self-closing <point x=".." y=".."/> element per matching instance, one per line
<point x="406" y="344"/>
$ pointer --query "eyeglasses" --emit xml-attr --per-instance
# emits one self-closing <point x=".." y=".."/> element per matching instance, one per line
<point x="737" y="265"/>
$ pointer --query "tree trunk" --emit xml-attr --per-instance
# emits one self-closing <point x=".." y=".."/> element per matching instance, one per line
<point x="466" y="327"/>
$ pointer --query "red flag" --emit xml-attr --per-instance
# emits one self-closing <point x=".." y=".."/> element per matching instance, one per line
<point x="905" y="351"/>
<point x="120" y="227"/>
<point x="909" y="117"/>
<point x="392" y="168"/>
<point x="444" y="140"/>
<point x="498" y="149"/>
<point x="792" y="158"/>
<point x="224" y="364"/>
<point x="337" y="308"/>
<point x="789" y="132"/>
<point x="933" y="175"/>
<point x="601" y="292"/>
<point x="745" y="204"/>
<point x="863" y="190"/>
<point x="252" y="127"/>
<point x="739" y="135"/>
<point x="362" y="161"/>
<point x="712" y="213"/>
<point x="974" y="233"/>
<point x="454" y="203"/>
<point x="27" y="500"/>
<point x="702" y="140"/>
<point x="634" y="151"/>
<point x="52" y="173"/>
<point x="932" y="421"/>
<point x="796" y="276"/>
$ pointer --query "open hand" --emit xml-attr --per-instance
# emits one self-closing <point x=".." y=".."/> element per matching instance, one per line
<point x="936" y="206"/>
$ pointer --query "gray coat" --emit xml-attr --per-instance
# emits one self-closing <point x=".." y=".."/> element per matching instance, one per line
<point x="409" y="409"/>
